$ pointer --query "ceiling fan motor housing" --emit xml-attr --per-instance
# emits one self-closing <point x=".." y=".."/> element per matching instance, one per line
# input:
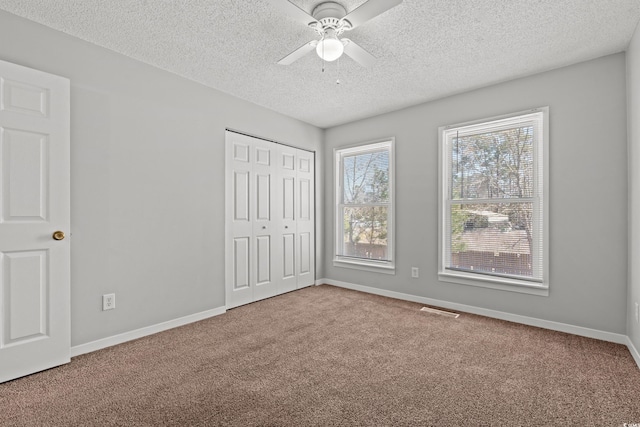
<point x="329" y="9"/>
<point x="329" y="15"/>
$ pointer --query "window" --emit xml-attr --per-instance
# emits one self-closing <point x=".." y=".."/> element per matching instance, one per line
<point x="493" y="209"/>
<point x="364" y="207"/>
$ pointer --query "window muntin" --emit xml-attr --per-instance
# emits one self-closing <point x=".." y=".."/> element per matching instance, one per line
<point x="364" y="182"/>
<point x="493" y="207"/>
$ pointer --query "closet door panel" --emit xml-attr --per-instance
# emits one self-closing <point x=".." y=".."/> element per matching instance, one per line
<point x="305" y="253"/>
<point x="263" y="218"/>
<point x="241" y="263"/>
<point x="287" y="184"/>
<point x="305" y="223"/>
<point x="239" y="229"/>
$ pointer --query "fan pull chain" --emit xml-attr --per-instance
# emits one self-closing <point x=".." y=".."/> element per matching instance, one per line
<point x="338" y="78"/>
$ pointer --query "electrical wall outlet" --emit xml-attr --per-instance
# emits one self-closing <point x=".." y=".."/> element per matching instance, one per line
<point x="108" y="302"/>
<point x="415" y="272"/>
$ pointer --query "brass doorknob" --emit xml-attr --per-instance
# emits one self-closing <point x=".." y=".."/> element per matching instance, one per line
<point x="58" y="235"/>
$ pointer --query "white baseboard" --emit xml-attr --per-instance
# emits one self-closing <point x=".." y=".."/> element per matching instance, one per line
<point x="531" y="321"/>
<point x="143" y="332"/>
<point x="634" y="351"/>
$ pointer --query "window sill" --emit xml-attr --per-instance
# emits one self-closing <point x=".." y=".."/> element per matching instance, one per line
<point x="499" y="283"/>
<point x="373" y="266"/>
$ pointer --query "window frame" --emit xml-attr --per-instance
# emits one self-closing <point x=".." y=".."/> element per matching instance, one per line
<point x="378" y="266"/>
<point x="505" y="283"/>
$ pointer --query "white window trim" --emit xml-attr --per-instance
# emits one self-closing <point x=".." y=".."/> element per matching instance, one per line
<point x="484" y="280"/>
<point x="377" y="266"/>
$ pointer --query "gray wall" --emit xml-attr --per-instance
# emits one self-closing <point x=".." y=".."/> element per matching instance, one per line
<point x="148" y="185"/>
<point x="633" y="98"/>
<point x="588" y="196"/>
<point x="147" y="171"/>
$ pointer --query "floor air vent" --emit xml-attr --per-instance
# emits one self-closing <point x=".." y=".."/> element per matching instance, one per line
<point x="440" y="312"/>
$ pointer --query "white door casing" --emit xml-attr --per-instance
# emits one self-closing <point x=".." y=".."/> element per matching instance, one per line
<point x="269" y="199"/>
<point x="34" y="203"/>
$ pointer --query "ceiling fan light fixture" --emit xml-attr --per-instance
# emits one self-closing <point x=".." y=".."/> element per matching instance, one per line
<point x="330" y="20"/>
<point x="330" y="48"/>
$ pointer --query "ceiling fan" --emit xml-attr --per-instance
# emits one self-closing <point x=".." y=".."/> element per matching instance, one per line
<point x="330" y="20"/>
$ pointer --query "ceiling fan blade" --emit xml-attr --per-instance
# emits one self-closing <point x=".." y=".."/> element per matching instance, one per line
<point x="298" y="53"/>
<point x="369" y="10"/>
<point x="358" y="54"/>
<point x="293" y="11"/>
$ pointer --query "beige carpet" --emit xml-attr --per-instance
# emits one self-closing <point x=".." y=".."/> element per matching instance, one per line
<point x="328" y="356"/>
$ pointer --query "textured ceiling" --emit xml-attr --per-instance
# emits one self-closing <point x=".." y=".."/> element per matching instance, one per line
<point x="426" y="49"/>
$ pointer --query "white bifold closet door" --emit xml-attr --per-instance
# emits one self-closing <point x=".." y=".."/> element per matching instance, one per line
<point x="270" y="224"/>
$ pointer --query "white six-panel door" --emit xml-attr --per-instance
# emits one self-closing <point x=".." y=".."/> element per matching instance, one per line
<point x="269" y="199"/>
<point x="34" y="204"/>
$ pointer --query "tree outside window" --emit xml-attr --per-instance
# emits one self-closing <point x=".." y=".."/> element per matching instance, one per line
<point x="493" y="196"/>
<point x="364" y="201"/>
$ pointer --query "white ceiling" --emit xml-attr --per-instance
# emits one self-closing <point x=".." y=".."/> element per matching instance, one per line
<point x="426" y="49"/>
